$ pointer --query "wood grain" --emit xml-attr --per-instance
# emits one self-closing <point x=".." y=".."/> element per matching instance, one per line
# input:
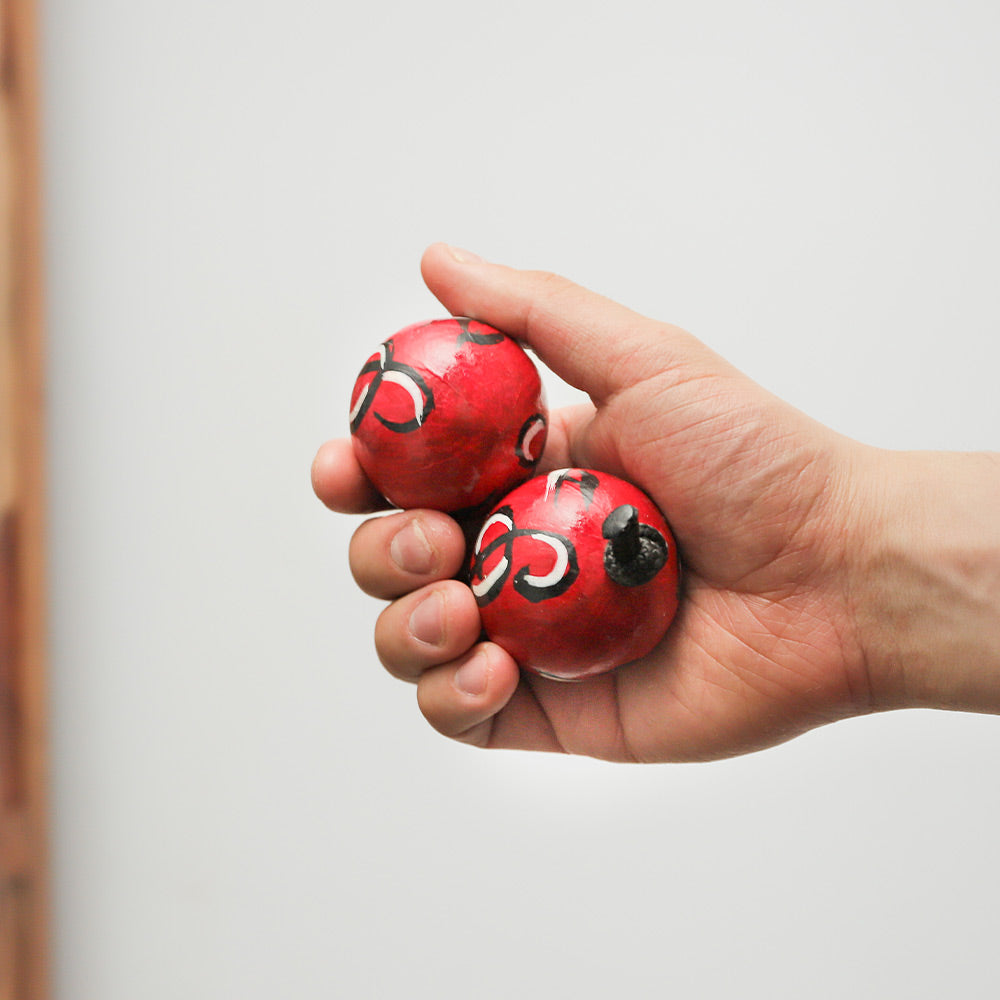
<point x="24" y="884"/>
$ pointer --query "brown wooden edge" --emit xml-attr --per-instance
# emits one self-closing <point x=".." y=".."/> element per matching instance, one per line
<point x="24" y="882"/>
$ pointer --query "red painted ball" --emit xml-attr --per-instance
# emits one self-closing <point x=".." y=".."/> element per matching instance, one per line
<point x="448" y="414"/>
<point x="575" y="573"/>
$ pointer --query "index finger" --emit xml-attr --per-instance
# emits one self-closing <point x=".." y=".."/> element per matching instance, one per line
<point x="340" y="482"/>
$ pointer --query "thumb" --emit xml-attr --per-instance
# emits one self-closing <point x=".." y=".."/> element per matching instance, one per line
<point x="589" y="341"/>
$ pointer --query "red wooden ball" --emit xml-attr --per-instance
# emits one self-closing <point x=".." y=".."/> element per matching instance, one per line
<point x="575" y="573"/>
<point x="448" y="414"/>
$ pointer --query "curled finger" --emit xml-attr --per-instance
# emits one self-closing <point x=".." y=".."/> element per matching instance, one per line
<point x="393" y="555"/>
<point x="461" y="699"/>
<point x="431" y="626"/>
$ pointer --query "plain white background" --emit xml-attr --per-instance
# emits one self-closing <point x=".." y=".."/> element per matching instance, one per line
<point x="238" y="194"/>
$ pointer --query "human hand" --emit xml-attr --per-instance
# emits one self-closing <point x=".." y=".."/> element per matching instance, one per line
<point x="777" y="519"/>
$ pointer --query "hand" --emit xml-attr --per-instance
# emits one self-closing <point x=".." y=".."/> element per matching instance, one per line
<point x="777" y="519"/>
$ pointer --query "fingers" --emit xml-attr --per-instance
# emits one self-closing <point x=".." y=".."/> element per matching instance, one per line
<point x="430" y="637"/>
<point x="467" y="690"/>
<point x="340" y="483"/>
<point x="398" y="553"/>
<point x="462" y="699"/>
<point x="434" y="625"/>
<point x="590" y="341"/>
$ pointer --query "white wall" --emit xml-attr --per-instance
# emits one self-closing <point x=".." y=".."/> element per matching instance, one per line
<point x="238" y="195"/>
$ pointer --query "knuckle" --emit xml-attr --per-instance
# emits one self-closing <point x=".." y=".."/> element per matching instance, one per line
<point x="360" y="554"/>
<point x="549" y="281"/>
<point x="390" y="648"/>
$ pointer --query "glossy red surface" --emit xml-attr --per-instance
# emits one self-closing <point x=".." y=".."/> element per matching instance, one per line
<point x="448" y="414"/>
<point x="540" y="573"/>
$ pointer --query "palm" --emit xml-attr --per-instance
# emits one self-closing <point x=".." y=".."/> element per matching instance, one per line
<point x="760" y="650"/>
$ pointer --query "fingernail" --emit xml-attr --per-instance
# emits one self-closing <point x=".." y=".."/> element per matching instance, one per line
<point x="472" y="676"/>
<point x="465" y="256"/>
<point x="427" y="620"/>
<point x="411" y="551"/>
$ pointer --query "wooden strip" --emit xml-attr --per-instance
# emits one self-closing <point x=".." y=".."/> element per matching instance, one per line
<point x="10" y="944"/>
<point x="12" y="770"/>
<point x="24" y="890"/>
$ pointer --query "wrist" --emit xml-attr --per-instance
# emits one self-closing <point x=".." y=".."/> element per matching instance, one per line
<point x="926" y="582"/>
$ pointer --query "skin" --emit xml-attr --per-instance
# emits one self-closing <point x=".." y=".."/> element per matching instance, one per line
<point x="823" y="578"/>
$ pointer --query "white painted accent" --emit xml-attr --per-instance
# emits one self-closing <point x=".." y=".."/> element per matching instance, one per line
<point x="558" y="571"/>
<point x="529" y="437"/>
<point x="361" y="398"/>
<point x="550" y="481"/>
<point x="406" y="382"/>
<point x="501" y="567"/>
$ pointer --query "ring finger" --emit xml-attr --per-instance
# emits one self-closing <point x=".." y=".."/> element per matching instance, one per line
<point x="431" y="626"/>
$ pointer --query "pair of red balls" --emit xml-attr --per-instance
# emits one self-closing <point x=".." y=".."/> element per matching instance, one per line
<point x="575" y="572"/>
